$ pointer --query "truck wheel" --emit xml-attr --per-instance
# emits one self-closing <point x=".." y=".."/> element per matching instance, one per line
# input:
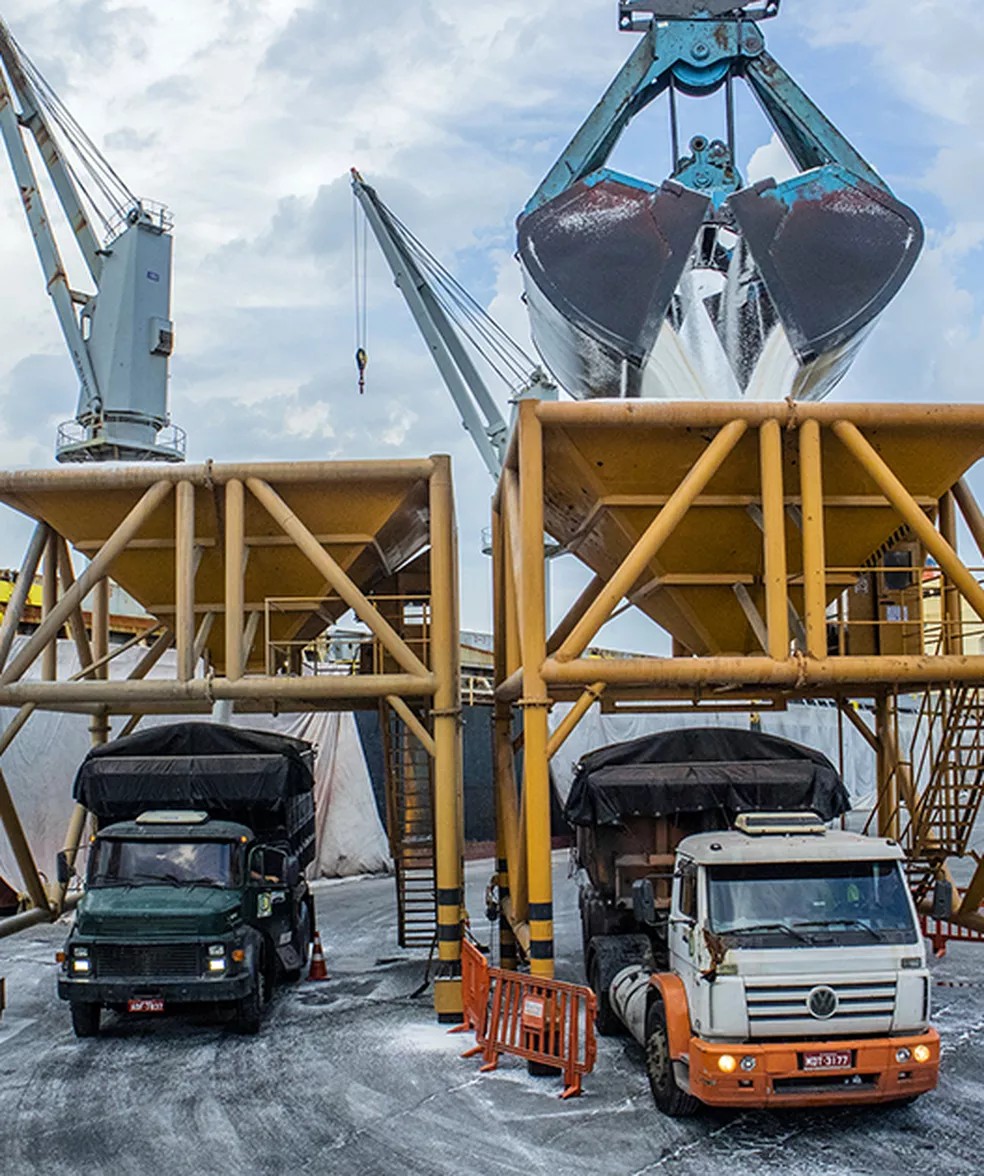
<point x="249" y="1009"/>
<point x="85" y="1019"/>
<point x="607" y="956"/>
<point x="303" y="945"/>
<point x="667" y="1096"/>
<point x="606" y="1021"/>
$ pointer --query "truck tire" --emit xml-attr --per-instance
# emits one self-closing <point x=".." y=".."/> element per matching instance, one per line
<point x="249" y="1009"/>
<point x="667" y="1095"/>
<point x="607" y="955"/>
<point x="85" y="1019"/>
<point x="304" y="934"/>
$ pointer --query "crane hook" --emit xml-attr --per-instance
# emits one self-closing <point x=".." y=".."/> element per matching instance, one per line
<point x="361" y="360"/>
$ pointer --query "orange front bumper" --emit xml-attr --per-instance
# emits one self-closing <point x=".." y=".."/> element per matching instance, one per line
<point x="779" y="1078"/>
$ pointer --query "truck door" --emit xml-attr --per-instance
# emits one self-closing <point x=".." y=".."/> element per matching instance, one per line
<point x="683" y="918"/>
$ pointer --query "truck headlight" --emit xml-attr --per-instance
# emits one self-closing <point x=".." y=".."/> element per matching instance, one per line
<point x="80" y="951"/>
<point x="217" y="964"/>
<point x="922" y="1053"/>
<point x="903" y="1054"/>
<point x="216" y="949"/>
<point x="727" y="1064"/>
<point x="80" y="965"/>
<point x="749" y="1062"/>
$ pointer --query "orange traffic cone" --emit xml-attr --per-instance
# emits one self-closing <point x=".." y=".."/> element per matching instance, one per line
<point x="318" y="970"/>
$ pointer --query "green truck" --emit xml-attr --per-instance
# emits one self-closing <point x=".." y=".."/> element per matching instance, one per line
<point x="194" y="886"/>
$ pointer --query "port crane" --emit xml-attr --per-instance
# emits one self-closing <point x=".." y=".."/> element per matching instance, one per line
<point x="120" y="335"/>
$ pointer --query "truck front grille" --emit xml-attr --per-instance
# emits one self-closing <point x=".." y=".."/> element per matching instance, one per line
<point x="124" y="961"/>
<point x="777" y="1006"/>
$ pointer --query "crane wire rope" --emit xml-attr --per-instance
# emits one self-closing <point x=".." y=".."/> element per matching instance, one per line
<point x="360" y="283"/>
<point x="488" y="338"/>
<point x="89" y="158"/>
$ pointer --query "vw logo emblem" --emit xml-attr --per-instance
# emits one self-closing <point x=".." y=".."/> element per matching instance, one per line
<point x="822" y="1003"/>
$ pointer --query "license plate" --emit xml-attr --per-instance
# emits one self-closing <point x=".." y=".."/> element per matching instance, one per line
<point x="145" y="1006"/>
<point x="828" y="1059"/>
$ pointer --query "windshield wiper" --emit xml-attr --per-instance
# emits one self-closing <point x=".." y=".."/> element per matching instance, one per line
<point x="876" y="935"/>
<point x="754" y="928"/>
<point x="170" y="879"/>
<point x="205" y="882"/>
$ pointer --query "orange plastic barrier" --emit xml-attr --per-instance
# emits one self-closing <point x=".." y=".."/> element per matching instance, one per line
<point x="474" y="995"/>
<point x="940" y="932"/>
<point x="549" y="1022"/>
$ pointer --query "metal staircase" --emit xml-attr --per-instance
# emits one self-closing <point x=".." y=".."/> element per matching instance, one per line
<point x="948" y="778"/>
<point x="410" y="821"/>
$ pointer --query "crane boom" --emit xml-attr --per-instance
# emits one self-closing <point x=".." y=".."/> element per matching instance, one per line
<point x="480" y="414"/>
<point x="121" y="336"/>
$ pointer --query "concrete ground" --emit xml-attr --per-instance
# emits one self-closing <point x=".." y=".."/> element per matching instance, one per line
<point x="354" y="1076"/>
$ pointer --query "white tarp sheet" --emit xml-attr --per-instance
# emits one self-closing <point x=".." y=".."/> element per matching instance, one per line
<point x="40" y="766"/>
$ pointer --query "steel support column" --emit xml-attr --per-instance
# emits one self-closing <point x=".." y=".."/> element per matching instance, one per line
<point x="535" y="702"/>
<point x="235" y="562"/>
<point x="814" y="553"/>
<point x="448" y="832"/>
<point x="774" y="540"/>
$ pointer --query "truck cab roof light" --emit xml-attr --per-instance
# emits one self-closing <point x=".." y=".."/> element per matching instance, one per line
<point x="779" y="824"/>
<point x="172" y="817"/>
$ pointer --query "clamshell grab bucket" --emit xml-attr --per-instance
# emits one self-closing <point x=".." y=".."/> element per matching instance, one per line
<point x="638" y="291"/>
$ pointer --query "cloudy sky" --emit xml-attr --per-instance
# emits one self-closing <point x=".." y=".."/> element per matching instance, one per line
<point x="244" y="116"/>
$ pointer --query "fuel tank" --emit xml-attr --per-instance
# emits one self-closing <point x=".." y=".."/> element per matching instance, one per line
<point x="638" y="290"/>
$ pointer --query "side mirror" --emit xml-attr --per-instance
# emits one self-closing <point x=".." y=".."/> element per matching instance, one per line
<point x="643" y="902"/>
<point x="63" y="870"/>
<point x="268" y="865"/>
<point x="942" y="899"/>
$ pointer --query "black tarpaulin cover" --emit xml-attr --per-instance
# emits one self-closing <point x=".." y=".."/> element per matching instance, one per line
<point x="262" y="779"/>
<point x="700" y="769"/>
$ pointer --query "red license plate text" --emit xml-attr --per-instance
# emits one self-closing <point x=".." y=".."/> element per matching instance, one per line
<point x="828" y="1059"/>
<point x="150" y="1005"/>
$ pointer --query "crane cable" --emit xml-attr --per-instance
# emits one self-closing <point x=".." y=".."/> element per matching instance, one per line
<point x="360" y="282"/>
<point x="496" y="347"/>
<point x="89" y="158"/>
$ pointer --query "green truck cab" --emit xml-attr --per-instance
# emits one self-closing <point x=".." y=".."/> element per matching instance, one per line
<point x="194" y="891"/>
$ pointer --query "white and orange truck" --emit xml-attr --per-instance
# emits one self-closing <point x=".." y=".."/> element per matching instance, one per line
<point x="760" y="956"/>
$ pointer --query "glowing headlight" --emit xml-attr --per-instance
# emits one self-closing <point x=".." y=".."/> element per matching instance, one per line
<point x="903" y="1054"/>
<point x="727" y="1064"/>
<point x="217" y="964"/>
<point x="749" y="1062"/>
<point x="80" y="965"/>
<point x="922" y="1053"/>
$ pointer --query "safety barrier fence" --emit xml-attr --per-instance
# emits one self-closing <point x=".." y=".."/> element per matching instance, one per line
<point x="474" y="995"/>
<point x="940" y="932"/>
<point x="550" y="1023"/>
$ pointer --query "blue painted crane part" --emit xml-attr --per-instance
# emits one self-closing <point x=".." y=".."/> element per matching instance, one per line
<point x="702" y="286"/>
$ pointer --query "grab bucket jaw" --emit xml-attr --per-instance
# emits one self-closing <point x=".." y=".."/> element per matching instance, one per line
<point x="639" y="291"/>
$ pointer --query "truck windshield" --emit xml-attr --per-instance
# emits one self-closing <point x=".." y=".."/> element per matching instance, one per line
<point x="823" y="903"/>
<point x="183" y="863"/>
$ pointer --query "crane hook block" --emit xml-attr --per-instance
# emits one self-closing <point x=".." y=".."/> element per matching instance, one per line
<point x="361" y="361"/>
